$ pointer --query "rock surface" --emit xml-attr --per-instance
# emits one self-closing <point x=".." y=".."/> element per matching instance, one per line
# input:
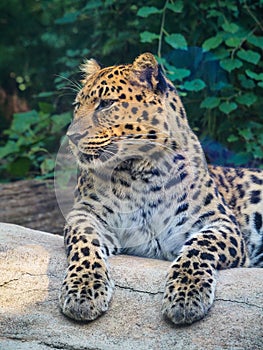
<point x="32" y="266"/>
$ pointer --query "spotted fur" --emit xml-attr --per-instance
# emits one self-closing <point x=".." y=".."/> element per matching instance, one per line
<point x="145" y="189"/>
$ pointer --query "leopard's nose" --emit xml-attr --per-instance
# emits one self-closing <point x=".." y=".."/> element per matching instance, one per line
<point x="74" y="138"/>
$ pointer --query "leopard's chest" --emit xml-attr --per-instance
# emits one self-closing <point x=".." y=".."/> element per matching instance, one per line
<point x="143" y="219"/>
<point x="129" y="203"/>
<point x="147" y="210"/>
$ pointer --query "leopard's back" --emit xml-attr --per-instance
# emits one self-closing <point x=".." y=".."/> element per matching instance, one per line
<point x="242" y="191"/>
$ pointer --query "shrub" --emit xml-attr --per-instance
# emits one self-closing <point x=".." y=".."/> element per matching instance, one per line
<point x="211" y="50"/>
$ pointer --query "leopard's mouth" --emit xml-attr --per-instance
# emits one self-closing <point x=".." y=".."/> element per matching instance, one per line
<point x="102" y="151"/>
<point x="126" y="146"/>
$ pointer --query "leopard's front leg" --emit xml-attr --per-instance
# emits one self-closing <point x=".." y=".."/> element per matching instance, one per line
<point x="191" y="281"/>
<point x="87" y="287"/>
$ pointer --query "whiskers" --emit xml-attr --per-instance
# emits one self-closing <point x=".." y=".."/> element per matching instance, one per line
<point x="129" y="146"/>
<point x="71" y="87"/>
<point x="108" y="152"/>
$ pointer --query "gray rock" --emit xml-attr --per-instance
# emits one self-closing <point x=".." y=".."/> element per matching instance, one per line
<point x="32" y="266"/>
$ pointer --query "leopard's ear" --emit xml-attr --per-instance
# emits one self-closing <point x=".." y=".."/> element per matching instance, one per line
<point x="89" y="67"/>
<point x="146" y="68"/>
<point x="144" y="61"/>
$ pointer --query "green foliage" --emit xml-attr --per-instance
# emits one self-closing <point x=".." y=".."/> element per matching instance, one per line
<point x="146" y="11"/>
<point x="31" y="140"/>
<point x="220" y="74"/>
<point x="211" y="50"/>
<point x="176" y="41"/>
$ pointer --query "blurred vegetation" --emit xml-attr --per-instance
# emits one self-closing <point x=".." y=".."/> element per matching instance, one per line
<point x="211" y="50"/>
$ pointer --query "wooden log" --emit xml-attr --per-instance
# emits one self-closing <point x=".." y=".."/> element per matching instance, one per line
<point x="33" y="204"/>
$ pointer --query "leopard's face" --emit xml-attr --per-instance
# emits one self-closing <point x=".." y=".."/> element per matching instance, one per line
<point x="119" y="107"/>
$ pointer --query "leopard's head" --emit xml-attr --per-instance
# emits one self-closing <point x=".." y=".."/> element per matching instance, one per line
<point x="122" y="106"/>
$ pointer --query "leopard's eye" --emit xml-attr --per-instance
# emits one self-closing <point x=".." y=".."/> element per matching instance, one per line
<point x="104" y="104"/>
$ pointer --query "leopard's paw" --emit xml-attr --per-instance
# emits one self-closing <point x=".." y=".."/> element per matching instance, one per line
<point x="188" y="296"/>
<point x="84" y="298"/>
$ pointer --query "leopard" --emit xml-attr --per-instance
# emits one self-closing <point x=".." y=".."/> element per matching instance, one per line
<point x="145" y="188"/>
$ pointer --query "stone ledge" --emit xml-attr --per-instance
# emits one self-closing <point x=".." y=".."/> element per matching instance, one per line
<point x="32" y="266"/>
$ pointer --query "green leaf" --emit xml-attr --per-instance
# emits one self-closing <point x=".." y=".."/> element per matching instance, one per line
<point x="230" y="27"/>
<point x="249" y="56"/>
<point x="177" y="41"/>
<point x="10" y="147"/>
<point x="146" y="11"/>
<point x="46" y="94"/>
<point x="92" y="5"/>
<point x="177" y="7"/>
<point x="258" y="153"/>
<point x="246" y="133"/>
<point x="232" y="138"/>
<point x="253" y="75"/>
<point x="213" y="42"/>
<point x="68" y="18"/>
<point x="148" y="37"/>
<point x="227" y="107"/>
<point x="260" y="84"/>
<point x="256" y="41"/>
<point x="210" y="102"/>
<point x="230" y="64"/>
<point x="47" y="165"/>
<point x="233" y="41"/>
<point x="220" y="54"/>
<point x="245" y="82"/>
<point x="163" y="62"/>
<point x="247" y="99"/>
<point x="73" y="53"/>
<point x="231" y="6"/>
<point x="23" y="121"/>
<point x="214" y="13"/>
<point x="178" y="73"/>
<point x="194" y="85"/>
